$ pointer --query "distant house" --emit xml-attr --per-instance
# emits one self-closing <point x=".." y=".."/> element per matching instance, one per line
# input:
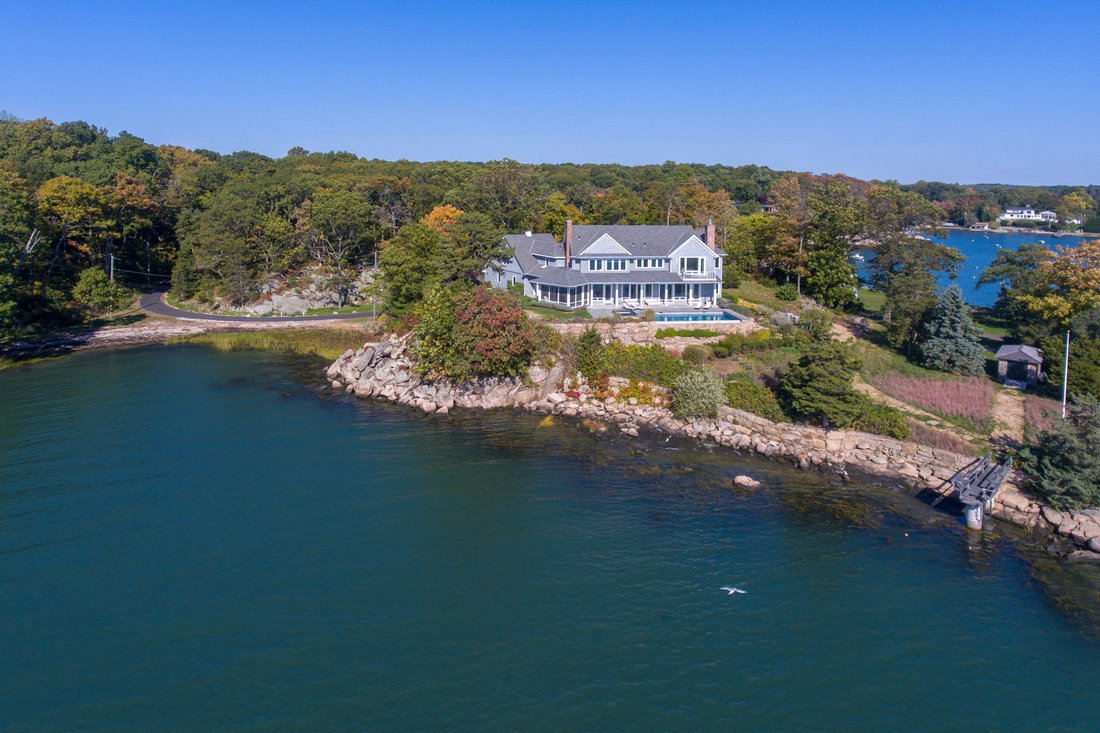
<point x="1017" y="363"/>
<point x="1028" y="214"/>
<point x="616" y="265"/>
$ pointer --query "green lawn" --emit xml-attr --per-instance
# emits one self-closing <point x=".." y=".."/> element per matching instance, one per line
<point x="760" y="294"/>
<point x="872" y="301"/>
<point x="556" y="315"/>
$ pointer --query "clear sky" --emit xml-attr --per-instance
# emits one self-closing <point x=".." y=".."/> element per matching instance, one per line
<point x="958" y="91"/>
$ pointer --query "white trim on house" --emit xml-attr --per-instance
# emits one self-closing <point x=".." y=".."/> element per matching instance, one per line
<point x="604" y="245"/>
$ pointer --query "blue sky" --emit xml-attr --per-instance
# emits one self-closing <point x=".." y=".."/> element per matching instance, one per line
<point x="952" y="91"/>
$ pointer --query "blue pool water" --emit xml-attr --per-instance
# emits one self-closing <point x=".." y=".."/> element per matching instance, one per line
<point x="692" y="317"/>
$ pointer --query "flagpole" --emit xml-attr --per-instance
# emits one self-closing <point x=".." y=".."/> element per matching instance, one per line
<point x="1065" y="377"/>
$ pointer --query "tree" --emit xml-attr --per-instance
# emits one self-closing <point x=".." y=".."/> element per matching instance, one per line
<point x="1065" y="465"/>
<point x="904" y="269"/>
<point x="96" y="293"/>
<point x="832" y="280"/>
<point x="951" y="341"/>
<point x="408" y="266"/>
<point x="507" y="191"/>
<point x="474" y="243"/>
<point x="819" y="386"/>
<point x="792" y="208"/>
<point x="1073" y="283"/>
<point x="1020" y="273"/>
<point x="754" y="244"/>
<point x="441" y="218"/>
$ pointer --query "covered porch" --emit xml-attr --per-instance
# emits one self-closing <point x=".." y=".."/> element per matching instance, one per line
<point x="631" y="295"/>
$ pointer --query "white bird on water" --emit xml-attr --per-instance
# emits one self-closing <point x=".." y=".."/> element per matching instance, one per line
<point x="730" y="591"/>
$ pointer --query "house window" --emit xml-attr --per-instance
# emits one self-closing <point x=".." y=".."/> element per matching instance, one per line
<point x="691" y="264"/>
<point x="597" y="292"/>
<point x="679" y="291"/>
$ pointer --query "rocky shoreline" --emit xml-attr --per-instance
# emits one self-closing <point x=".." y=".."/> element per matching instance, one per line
<point x="385" y="370"/>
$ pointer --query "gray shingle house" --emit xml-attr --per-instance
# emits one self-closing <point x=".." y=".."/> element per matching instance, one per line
<point x="616" y="265"/>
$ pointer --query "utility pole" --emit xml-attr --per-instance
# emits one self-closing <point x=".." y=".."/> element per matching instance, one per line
<point x="1065" y="377"/>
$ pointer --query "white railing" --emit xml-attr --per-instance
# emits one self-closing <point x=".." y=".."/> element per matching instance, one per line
<point x="692" y="275"/>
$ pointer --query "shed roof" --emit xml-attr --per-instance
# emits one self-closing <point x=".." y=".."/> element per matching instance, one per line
<point x="1017" y="352"/>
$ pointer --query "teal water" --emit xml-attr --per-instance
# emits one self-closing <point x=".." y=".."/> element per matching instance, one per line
<point x="201" y="541"/>
<point x="980" y="249"/>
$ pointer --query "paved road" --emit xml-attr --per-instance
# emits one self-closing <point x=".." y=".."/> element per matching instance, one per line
<point x="154" y="304"/>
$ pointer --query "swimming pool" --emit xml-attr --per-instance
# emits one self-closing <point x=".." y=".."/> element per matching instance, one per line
<point x="722" y="315"/>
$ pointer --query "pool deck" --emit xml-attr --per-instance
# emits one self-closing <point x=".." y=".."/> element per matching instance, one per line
<point x="667" y="310"/>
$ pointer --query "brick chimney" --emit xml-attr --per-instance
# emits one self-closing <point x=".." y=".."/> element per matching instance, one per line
<point x="709" y="237"/>
<point x="568" y="240"/>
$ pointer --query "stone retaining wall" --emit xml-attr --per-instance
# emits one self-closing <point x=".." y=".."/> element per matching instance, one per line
<point x="385" y="370"/>
<point x="645" y="332"/>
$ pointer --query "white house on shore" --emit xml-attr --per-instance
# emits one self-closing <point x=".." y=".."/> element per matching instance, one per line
<point x="1029" y="214"/>
<point x="615" y="265"/>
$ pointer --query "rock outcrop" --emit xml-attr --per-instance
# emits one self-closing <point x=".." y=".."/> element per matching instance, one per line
<point x="385" y="370"/>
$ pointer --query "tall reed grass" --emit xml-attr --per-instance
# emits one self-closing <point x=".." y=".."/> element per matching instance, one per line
<point x="969" y="399"/>
<point x="328" y="343"/>
<point x="925" y="435"/>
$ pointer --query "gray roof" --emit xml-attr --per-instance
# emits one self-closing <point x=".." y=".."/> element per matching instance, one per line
<point x="1015" y="352"/>
<point x="526" y="247"/>
<point x="641" y="240"/>
<point x="569" y="277"/>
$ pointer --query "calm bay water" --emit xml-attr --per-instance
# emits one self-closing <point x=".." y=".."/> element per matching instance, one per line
<point x="201" y="541"/>
<point x="980" y="249"/>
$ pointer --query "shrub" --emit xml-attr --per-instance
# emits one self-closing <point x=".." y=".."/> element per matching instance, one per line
<point x="786" y="292"/>
<point x="817" y="324"/>
<point x="882" y="420"/>
<point x="516" y="289"/>
<point x="719" y="351"/>
<point x="697" y="393"/>
<point x="600" y="384"/>
<point x="697" y="354"/>
<point x="643" y="392"/>
<point x="700" y="333"/>
<point x="649" y="314"/>
<point x="751" y="397"/>
<point x="590" y="353"/>
<point x="479" y="332"/>
<point x="762" y="340"/>
<point x="648" y="363"/>
<point x="1065" y="465"/>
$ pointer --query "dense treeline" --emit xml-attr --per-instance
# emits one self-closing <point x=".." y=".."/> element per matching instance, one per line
<point x="74" y="198"/>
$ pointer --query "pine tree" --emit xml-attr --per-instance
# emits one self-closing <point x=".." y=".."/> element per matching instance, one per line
<point x="951" y="340"/>
<point x="1065" y="466"/>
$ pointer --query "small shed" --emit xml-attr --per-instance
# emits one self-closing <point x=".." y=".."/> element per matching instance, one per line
<point x="1016" y="363"/>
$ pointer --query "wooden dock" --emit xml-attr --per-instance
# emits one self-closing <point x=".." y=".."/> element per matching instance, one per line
<point x="977" y="486"/>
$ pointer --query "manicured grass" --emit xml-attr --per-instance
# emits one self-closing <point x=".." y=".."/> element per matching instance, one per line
<point x="328" y="343"/>
<point x="556" y="315"/>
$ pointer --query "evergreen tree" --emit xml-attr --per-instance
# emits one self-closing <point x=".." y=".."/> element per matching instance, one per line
<point x="952" y="341"/>
<point x="1065" y="466"/>
<point x="819" y="386"/>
